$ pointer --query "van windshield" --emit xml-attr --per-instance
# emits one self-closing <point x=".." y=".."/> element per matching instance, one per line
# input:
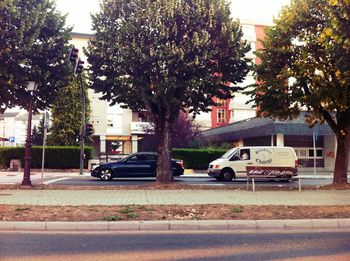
<point x="229" y="153"/>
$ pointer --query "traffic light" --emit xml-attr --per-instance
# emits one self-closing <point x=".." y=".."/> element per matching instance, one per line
<point x="73" y="56"/>
<point x="89" y="129"/>
<point x="79" y="67"/>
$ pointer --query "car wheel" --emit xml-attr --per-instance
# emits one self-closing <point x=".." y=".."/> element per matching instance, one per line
<point x="226" y="175"/>
<point x="106" y="174"/>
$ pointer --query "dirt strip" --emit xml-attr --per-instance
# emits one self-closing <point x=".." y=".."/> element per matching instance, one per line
<point x="172" y="212"/>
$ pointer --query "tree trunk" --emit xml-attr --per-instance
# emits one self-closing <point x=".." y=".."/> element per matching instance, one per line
<point x="164" y="168"/>
<point x="342" y="158"/>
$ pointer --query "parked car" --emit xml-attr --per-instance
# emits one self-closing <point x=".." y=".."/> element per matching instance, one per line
<point x="141" y="164"/>
<point x="272" y="162"/>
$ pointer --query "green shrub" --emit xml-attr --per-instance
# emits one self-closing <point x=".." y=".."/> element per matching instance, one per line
<point x="56" y="157"/>
<point x="197" y="158"/>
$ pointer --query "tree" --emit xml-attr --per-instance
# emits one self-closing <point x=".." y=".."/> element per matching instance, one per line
<point x="184" y="134"/>
<point x="33" y="44"/>
<point x="164" y="57"/>
<point x="305" y="66"/>
<point x="38" y="133"/>
<point x="66" y="115"/>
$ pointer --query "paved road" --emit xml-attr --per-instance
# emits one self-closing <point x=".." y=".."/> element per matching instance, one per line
<point x="189" y="180"/>
<point x="207" y="246"/>
<point x="62" y="178"/>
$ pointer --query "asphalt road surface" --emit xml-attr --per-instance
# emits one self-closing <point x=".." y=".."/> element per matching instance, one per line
<point x="91" y="181"/>
<point x="207" y="246"/>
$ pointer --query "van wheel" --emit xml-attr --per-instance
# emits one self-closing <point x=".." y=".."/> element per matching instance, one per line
<point x="226" y="175"/>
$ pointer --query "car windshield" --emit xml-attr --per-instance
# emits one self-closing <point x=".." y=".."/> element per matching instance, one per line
<point x="229" y="153"/>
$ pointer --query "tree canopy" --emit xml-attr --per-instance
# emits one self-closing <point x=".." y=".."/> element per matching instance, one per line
<point x="305" y="67"/>
<point x="33" y="45"/>
<point x="165" y="56"/>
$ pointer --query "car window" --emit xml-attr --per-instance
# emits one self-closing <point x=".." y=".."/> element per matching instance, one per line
<point x="245" y="154"/>
<point x="150" y="157"/>
<point x="229" y="153"/>
<point x="135" y="158"/>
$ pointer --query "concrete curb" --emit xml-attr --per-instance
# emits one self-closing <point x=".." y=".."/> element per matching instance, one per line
<point x="178" y="225"/>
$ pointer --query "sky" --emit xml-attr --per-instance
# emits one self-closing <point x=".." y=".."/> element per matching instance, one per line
<point x="253" y="10"/>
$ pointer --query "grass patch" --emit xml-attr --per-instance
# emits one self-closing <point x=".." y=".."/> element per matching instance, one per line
<point x="132" y="215"/>
<point x="111" y="218"/>
<point x="127" y="210"/>
<point x="147" y="209"/>
<point x="22" y="209"/>
<point x="236" y="210"/>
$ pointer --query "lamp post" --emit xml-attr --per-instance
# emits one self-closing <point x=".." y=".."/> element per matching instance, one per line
<point x="31" y="87"/>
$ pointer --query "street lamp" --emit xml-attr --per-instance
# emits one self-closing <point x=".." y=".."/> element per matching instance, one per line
<point x="31" y="87"/>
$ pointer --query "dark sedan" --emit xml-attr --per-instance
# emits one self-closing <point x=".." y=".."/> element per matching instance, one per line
<point x="142" y="164"/>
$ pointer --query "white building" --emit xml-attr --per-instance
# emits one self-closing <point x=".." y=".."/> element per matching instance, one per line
<point x="13" y="126"/>
<point x="116" y="130"/>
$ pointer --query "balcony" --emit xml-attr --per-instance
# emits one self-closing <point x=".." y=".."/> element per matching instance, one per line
<point x="141" y="127"/>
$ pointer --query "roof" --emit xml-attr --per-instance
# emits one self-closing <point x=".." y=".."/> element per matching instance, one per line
<point x="258" y="127"/>
<point x="9" y="114"/>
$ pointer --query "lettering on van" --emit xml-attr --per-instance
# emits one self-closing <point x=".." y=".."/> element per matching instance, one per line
<point x="263" y="161"/>
<point x="270" y="173"/>
<point x="263" y="156"/>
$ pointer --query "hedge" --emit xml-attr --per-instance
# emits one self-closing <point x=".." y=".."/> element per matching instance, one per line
<point x="197" y="158"/>
<point x="56" y="157"/>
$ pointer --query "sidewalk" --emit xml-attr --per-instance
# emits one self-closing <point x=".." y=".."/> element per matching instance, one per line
<point x="179" y="197"/>
<point x="170" y="197"/>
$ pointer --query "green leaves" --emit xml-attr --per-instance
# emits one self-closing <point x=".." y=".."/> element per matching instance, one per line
<point x="66" y="114"/>
<point x="157" y="54"/>
<point x="303" y="64"/>
<point x="33" y="44"/>
<point x="165" y="56"/>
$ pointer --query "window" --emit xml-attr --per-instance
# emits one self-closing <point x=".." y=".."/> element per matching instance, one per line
<point x="245" y="154"/>
<point x="150" y="157"/>
<point x="221" y="102"/>
<point x="135" y="158"/>
<point x="232" y="114"/>
<point x="116" y="147"/>
<point x="221" y="116"/>
<point x="308" y="153"/>
<point x="319" y="153"/>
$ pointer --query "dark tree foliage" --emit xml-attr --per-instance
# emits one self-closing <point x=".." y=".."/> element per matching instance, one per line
<point x="164" y="57"/>
<point x="184" y="135"/>
<point x="33" y="47"/>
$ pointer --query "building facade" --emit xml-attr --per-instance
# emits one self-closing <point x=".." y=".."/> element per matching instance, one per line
<point x="315" y="147"/>
<point x="13" y="127"/>
<point x="237" y="109"/>
<point x="117" y="131"/>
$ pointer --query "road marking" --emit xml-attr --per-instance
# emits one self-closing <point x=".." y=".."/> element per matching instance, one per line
<point x="54" y="180"/>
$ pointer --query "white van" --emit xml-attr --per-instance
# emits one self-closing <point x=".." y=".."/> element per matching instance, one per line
<point x="274" y="162"/>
